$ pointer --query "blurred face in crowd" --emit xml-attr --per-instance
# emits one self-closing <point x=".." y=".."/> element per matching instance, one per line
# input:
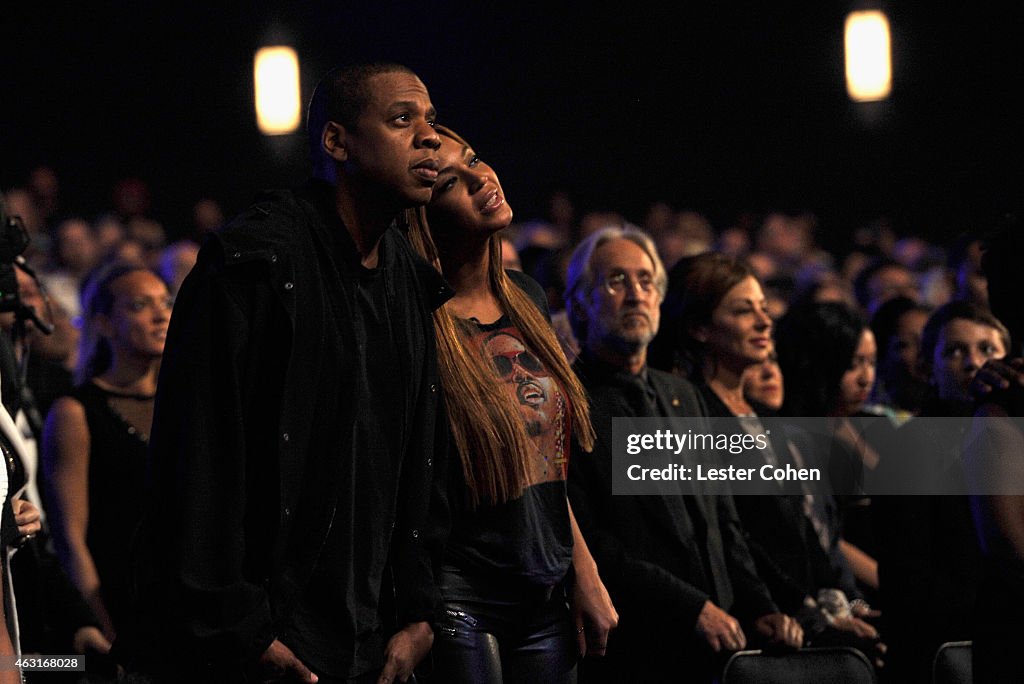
<point x="906" y="344"/>
<point x="510" y="256"/>
<point x="137" y="323"/>
<point x="762" y="382"/>
<point x="622" y="311"/>
<point x="962" y="348"/>
<point x="467" y="197"/>
<point x="76" y="247"/>
<point x="740" y="331"/>
<point x="855" y="385"/>
<point x="890" y="282"/>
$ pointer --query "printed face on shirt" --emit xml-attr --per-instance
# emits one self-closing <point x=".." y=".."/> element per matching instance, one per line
<point x="527" y="380"/>
<point x="540" y="401"/>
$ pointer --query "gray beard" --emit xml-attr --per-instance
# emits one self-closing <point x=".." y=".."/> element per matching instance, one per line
<point x="628" y="346"/>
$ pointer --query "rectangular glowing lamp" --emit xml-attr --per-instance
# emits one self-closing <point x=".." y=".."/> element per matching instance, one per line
<point x="868" y="56"/>
<point x="276" y="73"/>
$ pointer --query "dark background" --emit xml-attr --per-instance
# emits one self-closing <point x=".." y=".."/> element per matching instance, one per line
<point x="720" y="107"/>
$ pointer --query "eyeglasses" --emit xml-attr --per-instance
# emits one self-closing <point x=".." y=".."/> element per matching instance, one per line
<point x="505" y="363"/>
<point x="616" y="283"/>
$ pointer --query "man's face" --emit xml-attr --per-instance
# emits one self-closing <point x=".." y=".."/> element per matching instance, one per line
<point x="624" y="318"/>
<point x="962" y="348"/>
<point x="527" y="380"/>
<point x="392" y="149"/>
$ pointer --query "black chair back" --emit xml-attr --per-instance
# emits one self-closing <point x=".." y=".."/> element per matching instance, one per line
<point x="952" y="664"/>
<point x="826" y="665"/>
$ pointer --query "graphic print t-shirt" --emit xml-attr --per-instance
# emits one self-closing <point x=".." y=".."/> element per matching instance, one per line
<point x="529" y="538"/>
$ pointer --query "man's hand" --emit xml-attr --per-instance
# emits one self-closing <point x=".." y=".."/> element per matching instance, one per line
<point x="279" y="663"/>
<point x="780" y="629"/>
<point x="26" y="515"/>
<point x="90" y="639"/>
<point x="997" y="374"/>
<point x="720" y="629"/>
<point x="593" y="613"/>
<point x="405" y="650"/>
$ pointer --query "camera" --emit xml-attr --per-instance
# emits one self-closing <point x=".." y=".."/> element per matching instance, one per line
<point x="13" y="241"/>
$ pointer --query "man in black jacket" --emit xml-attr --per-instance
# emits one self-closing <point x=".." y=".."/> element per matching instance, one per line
<point x="293" y="450"/>
<point x="677" y="567"/>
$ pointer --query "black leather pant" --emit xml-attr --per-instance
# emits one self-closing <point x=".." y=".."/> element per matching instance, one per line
<point x="503" y="635"/>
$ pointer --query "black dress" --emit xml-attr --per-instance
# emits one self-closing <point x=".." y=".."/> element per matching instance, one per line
<point x="117" y="470"/>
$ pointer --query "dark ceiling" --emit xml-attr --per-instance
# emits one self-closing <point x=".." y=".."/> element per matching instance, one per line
<point x="721" y="107"/>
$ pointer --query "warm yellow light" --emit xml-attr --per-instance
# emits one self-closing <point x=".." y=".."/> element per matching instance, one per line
<point x="276" y="73"/>
<point x="868" y="56"/>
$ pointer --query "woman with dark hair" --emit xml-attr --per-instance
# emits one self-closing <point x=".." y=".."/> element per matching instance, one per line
<point x="94" y="441"/>
<point x="715" y="330"/>
<point x="513" y="404"/>
<point x="828" y="351"/>
<point x="897" y="327"/>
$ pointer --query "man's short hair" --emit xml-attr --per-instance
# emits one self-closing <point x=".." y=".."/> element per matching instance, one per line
<point x="580" y="279"/>
<point x="954" y="311"/>
<point x="341" y="96"/>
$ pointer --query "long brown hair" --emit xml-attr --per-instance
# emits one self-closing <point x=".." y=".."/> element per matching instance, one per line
<point x="696" y="286"/>
<point x="494" y="447"/>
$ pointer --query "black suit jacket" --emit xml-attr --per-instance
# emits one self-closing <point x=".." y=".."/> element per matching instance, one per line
<point x="661" y="557"/>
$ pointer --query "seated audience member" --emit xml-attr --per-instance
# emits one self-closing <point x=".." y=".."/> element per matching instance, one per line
<point x="677" y="566"/>
<point x="969" y="282"/>
<point x="897" y="327"/>
<point x="828" y="351"/>
<point x="716" y="324"/>
<point x="74" y="253"/>
<point x="762" y="384"/>
<point x="176" y="260"/>
<point x="881" y="280"/>
<point x="929" y="563"/>
<point x="992" y="457"/>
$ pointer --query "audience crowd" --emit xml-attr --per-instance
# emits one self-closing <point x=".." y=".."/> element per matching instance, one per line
<point x="891" y="326"/>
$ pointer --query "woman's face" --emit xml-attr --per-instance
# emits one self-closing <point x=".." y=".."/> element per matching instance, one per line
<point x="138" y="318"/>
<point x="855" y="385"/>
<point x="740" y="331"/>
<point x="467" y="197"/>
<point x="962" y="348"/>
<point x="763" y="382"/>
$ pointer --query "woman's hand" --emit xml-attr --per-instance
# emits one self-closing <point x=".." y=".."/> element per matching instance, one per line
<point x="593" y="613"/>
<point x="26" y="515"/>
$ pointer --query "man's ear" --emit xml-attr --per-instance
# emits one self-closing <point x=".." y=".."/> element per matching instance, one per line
<point x="332" y="140"/>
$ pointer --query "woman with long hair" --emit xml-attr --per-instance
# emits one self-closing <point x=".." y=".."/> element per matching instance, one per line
<point x="828" y="350"/>
<point x="95" y="439"/>
<point x="513" y="404"/>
